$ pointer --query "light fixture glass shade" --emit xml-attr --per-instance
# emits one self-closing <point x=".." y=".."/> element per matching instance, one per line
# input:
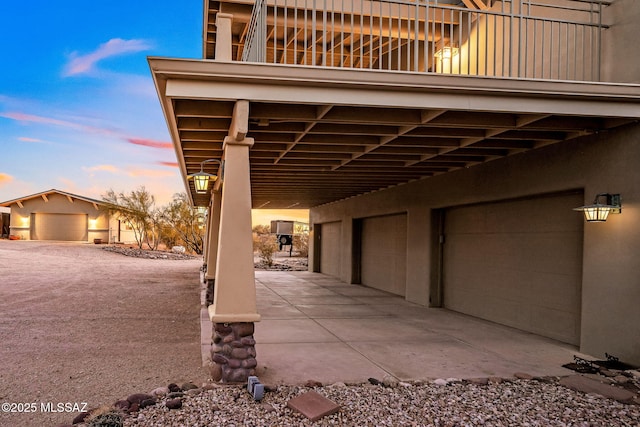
<point x="446" y="53"/>
<point x="596" y="213"/>
<point x="201" y="181"/>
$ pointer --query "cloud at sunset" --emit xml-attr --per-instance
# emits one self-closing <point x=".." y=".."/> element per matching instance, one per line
<point x="150" y="173"/>
<point x="36" y="140"/>
<point x="150" y="143"/>
<point x="5" y="179"/>
<point x="102" y="168"/>
<point x="169" y="164"/>
<point x="84" y="64"/>
<point x="43" y="120"/>
<point x="32" y="118"/>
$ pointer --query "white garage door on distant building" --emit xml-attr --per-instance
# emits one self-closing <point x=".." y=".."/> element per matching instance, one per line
<point x="517" y="263"/>
<point x="65" y="227"/>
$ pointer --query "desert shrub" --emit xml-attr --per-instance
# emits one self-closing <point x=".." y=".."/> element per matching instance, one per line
<point x="266" y="247"/>
<point x="301" y="243"/>
<point x="259" y="231"/>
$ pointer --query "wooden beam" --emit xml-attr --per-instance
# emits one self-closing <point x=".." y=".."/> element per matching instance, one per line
<point x="69" y="199"/>
<point x="19" y="203"/>
<point x="44" y="197"/>
<point x="240" y="121"/>
<point x="481" y="5"/>
<point x="475" y="4"/>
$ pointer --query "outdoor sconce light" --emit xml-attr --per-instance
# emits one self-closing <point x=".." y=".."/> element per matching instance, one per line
<point x="445" y="58"/>
<point x="599" y="212"/>
<point x="446" y="53"/>
<point x="202" y="178"/>
<point x="201" y="211"/>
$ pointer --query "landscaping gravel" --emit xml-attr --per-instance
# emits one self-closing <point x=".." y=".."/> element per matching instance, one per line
<point x="458" y="403"/>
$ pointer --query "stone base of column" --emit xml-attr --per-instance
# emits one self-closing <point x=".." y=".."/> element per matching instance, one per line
<point x="211" y="283"/>
<point x="233" y="352"/>
<point x="203" y="273"/>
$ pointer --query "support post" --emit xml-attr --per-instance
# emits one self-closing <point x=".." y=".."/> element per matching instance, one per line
<point x="224" y="51"/>
<point x="212" y="245"/>
<point x="234" y="311"/>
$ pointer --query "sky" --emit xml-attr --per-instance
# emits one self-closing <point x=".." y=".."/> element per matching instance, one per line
<point x="78" y="107"/>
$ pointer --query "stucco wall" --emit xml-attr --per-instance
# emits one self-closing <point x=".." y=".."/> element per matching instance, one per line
<point x="606" y="162"/>
<point x="620" y="49"/>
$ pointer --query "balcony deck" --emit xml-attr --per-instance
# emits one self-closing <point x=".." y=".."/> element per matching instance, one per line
<point x="556" y="40"/>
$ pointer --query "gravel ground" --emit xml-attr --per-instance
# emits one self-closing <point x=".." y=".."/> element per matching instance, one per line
<point x="82" y="325"/>
<point x="509" y="403"/>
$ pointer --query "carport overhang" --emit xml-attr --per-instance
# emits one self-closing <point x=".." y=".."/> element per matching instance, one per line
<point x="305" y="136"/>
<point x="323" y="135"/>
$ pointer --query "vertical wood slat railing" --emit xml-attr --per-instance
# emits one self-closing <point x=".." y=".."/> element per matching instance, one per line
<point x="528" y="39"/>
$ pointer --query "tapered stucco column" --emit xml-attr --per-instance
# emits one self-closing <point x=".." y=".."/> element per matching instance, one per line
<point x="213" y="231"/>
<point x="234" y="311"/>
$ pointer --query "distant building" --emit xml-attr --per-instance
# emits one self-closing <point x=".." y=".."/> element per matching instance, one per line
<point x="61" y="216"/>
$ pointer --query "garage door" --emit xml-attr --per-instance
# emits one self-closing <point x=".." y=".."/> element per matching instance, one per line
<point x="67" y="227"/>
<point x="384" y="253"/>
<point x="518" y="263"/>
<point x="330" y="254"/>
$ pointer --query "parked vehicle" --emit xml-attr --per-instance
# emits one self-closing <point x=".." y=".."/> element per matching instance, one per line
<point x="285" y="230"/>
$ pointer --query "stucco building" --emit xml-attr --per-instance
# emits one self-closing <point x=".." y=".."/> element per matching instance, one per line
<point x="440" y="145"/>
<point x="62" y="216"/>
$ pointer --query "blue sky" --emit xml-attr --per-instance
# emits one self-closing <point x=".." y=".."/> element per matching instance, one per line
<point x="78" y="108"/>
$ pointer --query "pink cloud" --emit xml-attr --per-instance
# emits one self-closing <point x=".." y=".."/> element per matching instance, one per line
<point x="82" y="64"/>
<point x="27" y="139"/>
<point x="149" y="173"/>
<point x="22" y="117"/>
<point x="150" y="143"/>
<point x="170" y="164"/>
<point x="31" y="118"/>
<point x="102" y="168"/>
<point x="5" y="178"/>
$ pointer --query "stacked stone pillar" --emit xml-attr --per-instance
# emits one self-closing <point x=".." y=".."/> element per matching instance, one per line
<point x="233" y="352"/>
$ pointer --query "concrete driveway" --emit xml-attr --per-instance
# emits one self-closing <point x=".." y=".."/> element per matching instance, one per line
<point x="315" y="327"/>
<point x="79" y="324"/>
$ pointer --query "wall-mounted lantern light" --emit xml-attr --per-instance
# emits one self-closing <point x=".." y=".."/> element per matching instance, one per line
<point x="599" y="212"/>
<point x="446" y="53"/>
<point x="202" y="178"/>
<point x="445" y="56"/>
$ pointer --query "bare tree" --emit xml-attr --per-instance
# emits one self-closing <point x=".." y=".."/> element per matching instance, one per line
<point x="186" y="222"/>
<point x="136" y="208"/>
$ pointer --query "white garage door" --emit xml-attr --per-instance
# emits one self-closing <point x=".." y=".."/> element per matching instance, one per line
<point x="518" y="263"/>
<point x="67" y="227"/>
<point x="384" y="253"/>
<point x="330" y="254"/>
